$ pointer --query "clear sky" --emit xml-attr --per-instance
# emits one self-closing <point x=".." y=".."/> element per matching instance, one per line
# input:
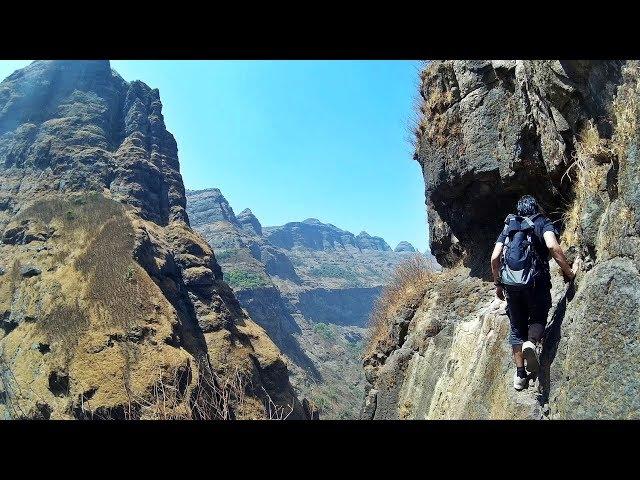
<point x="296" y="139"/>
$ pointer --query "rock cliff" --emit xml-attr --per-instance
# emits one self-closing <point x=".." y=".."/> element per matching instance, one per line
<point x="111" y="306"/>
<point x="490" y="131"/>
<point x="310" y="285"/>
<point x="404" y="247"/>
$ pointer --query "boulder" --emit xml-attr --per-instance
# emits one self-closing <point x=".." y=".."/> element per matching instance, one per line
<point x="29" y="271"/>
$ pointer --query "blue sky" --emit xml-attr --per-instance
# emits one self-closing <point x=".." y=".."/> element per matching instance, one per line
<point x="296" y="139"/>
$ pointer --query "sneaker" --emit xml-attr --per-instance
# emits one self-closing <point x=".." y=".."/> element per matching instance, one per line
<point x="530" y="358"/>
<point x="519" y="383"/>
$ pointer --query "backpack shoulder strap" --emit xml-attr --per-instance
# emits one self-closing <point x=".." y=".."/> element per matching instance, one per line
<point x="510" y="217"/>
<point x="527" y="223"/>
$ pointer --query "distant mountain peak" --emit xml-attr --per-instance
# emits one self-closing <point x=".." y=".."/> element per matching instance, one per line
<point x="209" y="205"/>
<point x="368" y="242"/>
<point x="249" y="221"/>
<point x="404" y="246"/>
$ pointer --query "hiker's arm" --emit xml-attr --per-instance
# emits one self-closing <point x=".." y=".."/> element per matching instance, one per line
<point x="495" y="261"/>
<point x="558" y="255"/>
<point x="495" y="268"/>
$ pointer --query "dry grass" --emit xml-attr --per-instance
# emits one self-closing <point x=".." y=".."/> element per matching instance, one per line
<point x="9" y="391"/>
<point x="407" y="286"/>
<point x="170" y="398"/>
<point x="98" y="239"/>
<point x="626" y="108"/>
<point x="590" y="150"/>
<point x="585" y="172"/>
<point x="429" y="118"/>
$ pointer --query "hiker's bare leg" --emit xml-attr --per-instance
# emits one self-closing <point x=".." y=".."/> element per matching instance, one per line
<point x="517" y="355"/>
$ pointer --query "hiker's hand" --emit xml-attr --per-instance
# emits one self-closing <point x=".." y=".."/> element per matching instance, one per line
<point x="577" y="266"/>
<point x="500" y="292"/>
<point x="568" y="277"/>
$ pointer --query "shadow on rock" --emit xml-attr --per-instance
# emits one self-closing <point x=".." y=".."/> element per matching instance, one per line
<point x="553" y="334"/>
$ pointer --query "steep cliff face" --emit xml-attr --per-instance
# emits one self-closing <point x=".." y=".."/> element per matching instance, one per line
<point x="491" y="131"/>
<point x="310" y="285"/>
<point x="108" y="300"/>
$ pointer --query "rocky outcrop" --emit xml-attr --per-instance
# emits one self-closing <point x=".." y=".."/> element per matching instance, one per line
<point x="248" y="221"/>
<point x="491" y="131"/>
<point x="111" y="302"/>
<point x="311" y="286"/>
<point x="404" y="247"/>
<point x="367" y="242"/>
<point x="210" y="206"/>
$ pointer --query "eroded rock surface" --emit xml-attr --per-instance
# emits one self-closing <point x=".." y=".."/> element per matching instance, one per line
<point x="110" y="301"/>
<point x="491" y="131"/>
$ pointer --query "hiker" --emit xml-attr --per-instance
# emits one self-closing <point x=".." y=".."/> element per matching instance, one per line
<point x="520" y="267"/>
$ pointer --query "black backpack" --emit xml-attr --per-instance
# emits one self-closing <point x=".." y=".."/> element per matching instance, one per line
<point x="520" y="263"/>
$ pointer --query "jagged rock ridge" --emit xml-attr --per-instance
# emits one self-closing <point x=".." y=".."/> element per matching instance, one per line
<point x="310" y="285"/>
<point x="108" y="296"/>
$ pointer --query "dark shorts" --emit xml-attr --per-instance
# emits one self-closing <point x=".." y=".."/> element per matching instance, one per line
<point x="527" y="307"/>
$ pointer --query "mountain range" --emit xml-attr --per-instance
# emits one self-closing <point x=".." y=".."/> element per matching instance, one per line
<point x="310" y="285"/>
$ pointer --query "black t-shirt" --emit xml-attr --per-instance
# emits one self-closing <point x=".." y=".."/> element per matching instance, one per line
<point x="541" y="224"/>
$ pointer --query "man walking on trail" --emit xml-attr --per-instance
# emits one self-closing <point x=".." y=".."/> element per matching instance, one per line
<point x="520" y="267"/>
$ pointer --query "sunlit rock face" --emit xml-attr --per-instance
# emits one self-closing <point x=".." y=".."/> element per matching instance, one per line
<point x="107" y="296"/>
<point x="491" y="131"/>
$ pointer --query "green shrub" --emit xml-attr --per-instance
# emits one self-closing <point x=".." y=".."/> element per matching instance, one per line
<point x="297" y="262"/>
<point x="222" y="255"/>
<point x="325" y="330"/>
<point x="355" y="348"/>
<point x="242" y="279"/>
<point x="333" y="271"/>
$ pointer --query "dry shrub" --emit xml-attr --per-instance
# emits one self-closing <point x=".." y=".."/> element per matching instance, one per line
<point x="407" y="286"/>
<point x="114" y="280"/>
<point x="590" y="150"/>
<point x="66" y="324"/>
<point x="170" y="398"/>
<point x="85" y="211"/>
<point x="212" y="398"/>
<point x="439" y="99"/>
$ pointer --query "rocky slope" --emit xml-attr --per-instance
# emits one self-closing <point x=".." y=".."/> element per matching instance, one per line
<point x="109" y="301"/>
<point x="489" y="132"/>
<point x="310" y="285"/>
